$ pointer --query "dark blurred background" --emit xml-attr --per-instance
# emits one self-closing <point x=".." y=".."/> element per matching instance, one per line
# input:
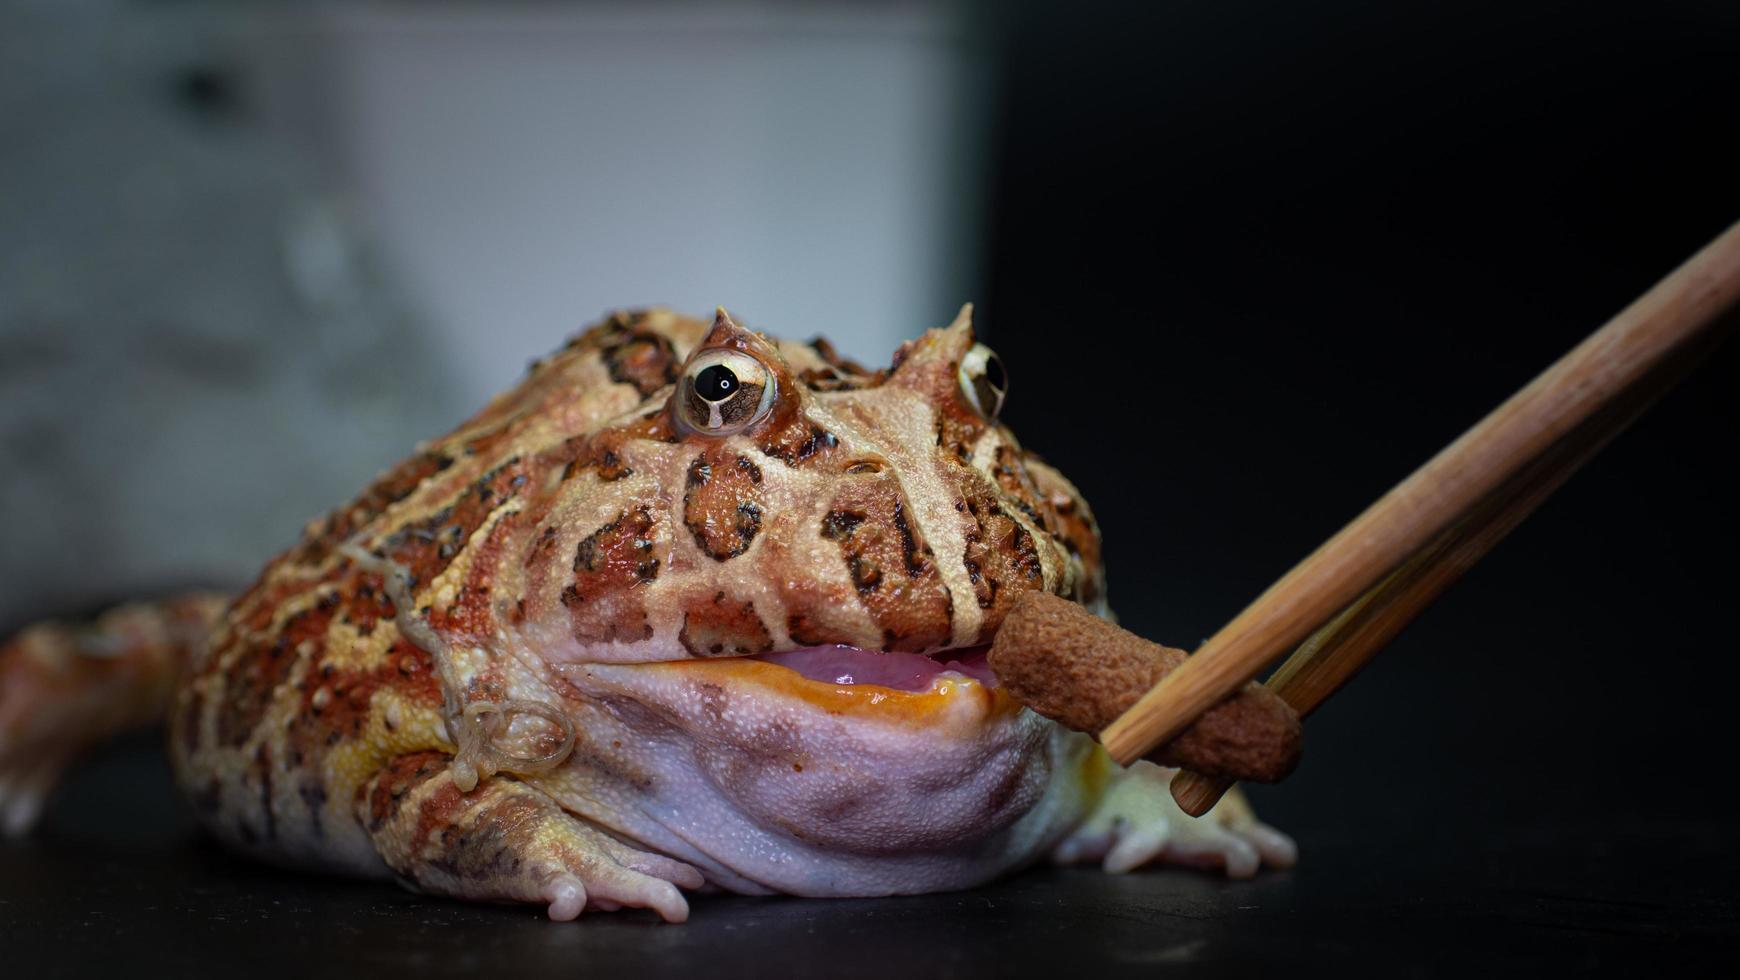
<point x="1248" y="264"/>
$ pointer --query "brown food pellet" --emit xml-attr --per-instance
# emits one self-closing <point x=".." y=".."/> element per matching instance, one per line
<point x="1071" y="666"/>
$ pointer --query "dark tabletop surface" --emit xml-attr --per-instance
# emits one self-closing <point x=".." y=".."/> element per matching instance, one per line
<point x="119" y="879"/>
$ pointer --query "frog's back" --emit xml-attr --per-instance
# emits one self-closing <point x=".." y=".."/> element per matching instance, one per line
<point x="309" y="685"/>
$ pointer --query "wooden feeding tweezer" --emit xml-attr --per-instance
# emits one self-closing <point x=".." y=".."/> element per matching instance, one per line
<point x="1347" y="599"/>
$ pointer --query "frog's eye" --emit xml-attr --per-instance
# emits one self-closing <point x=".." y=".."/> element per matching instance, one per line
<point x="983" y="381"/>
<point x="724" y="391"/>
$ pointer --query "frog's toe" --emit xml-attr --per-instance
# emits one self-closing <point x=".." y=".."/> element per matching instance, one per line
<point x="566" y="896"/>
<point x="605" y="881"/>
<point x="19" y="811"/>
<point x="1137" y="844"/>
<point x="1275" y="848"/>
<point x="1138" y="824"/>
<point x="24" y="792"/>
<point x="1234" y="814"/>
<point x="505" y="840"/>
<point x="1214" y="849"/>
<point x="642" y="892"/>
<point x="1230" y="839"/>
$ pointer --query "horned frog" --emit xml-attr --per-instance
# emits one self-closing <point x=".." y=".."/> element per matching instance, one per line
<point x="688" y="608"/>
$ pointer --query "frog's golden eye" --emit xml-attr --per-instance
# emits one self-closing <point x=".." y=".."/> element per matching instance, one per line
<point x="724" y="391"/>
<point x="983" y="381"/>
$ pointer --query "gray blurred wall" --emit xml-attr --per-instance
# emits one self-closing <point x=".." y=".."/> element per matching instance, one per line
<point x="815" y="168"/>
<point x="249" y="255"/>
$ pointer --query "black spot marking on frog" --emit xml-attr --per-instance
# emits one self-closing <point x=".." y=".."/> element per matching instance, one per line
<point x="841" y="525"/>
<point x="877" y="541"/>
<point x="917" y="555"/>
<point x="637" y="355"/>
<point x="610" y="566"/>
<point x="722" y="505"/>
<point x="794" y="451"/>
<point x="724" y="627"/>
<point x="804" y="632"/>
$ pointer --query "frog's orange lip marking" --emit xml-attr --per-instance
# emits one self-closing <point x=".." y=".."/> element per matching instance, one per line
<point x="947" y="691"/>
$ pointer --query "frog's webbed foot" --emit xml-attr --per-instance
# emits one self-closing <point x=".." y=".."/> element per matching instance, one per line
<point x="1138" y="823"/>
<point x="506" y="841"/>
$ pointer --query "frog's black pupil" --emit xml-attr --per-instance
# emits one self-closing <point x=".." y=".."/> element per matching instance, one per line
<point x="994" y="373"/>
<point x="716" y="383"/>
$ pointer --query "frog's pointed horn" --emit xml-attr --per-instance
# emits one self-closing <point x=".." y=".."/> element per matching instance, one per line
<point x="963" y="320"/>
<point x="936" y="355"/>
<point x="728" y="333"/>
<point x="959" y="330"/>
<point x="723" y="327"/>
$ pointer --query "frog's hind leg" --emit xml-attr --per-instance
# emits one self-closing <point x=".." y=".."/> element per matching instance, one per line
<point x="506" y="841"/>
<point x="1138" y="823"/>
<point x="65" y="687"/>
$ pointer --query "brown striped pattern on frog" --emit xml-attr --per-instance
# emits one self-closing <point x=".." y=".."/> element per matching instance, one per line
<point x="582" y="517"/>
<point x="302" y="668"/>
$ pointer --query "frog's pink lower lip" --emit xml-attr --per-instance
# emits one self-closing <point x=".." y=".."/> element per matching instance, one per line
<point x="847" y="665"/>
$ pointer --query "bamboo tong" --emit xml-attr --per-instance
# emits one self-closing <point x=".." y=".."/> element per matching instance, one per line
<point x="1336" y="609"/>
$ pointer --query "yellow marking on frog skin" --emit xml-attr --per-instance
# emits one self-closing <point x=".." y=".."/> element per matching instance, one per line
<point x="1095" y="773"/>
<point x="856" y="700"/>
<point x="355" y="761"/>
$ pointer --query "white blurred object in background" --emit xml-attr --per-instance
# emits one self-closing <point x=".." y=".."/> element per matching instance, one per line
<point x="195" y="355"/>
<point x="815" y="168"/>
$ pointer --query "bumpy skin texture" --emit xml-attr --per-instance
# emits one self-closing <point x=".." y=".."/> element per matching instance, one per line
<point x="519" y="666"/>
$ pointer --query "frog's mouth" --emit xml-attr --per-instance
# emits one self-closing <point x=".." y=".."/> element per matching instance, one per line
<point x="955" y="688"/>
<point x="843" y="665"/>
<point x="952" y="691"/>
